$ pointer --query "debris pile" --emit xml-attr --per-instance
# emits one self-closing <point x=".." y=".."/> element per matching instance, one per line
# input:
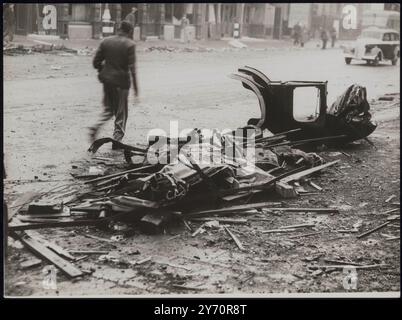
<point x="151" y="195"/>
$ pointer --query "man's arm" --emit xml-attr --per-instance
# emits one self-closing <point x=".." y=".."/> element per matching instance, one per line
<point x="98" y="58"/>
<point x="132" y="67"/>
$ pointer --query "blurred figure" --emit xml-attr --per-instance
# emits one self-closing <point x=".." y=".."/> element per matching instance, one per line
<point x="333" y="37"/>
<point x="324" y="38"/>
<point x="304" y="36"/>
<point x="184" y="29"/>
<point x="297" y="33"/>
<point x="115" y="60"/>
<point x="131" y="18"/>
<point x="8" y="23"/>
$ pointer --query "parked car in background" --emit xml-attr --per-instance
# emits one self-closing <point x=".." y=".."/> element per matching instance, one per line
<point x="374" y="45"/>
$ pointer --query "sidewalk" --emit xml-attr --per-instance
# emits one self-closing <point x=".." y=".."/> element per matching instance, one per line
<point x="202" y="45"/>
<point x="212" y="44"/>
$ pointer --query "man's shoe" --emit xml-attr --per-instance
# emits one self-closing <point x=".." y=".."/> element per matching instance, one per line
<point x="92" y="134"/>
<point x="116" y="147"/>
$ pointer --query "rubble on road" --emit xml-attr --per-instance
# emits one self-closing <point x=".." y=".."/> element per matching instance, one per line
<point x="44" y="47"/>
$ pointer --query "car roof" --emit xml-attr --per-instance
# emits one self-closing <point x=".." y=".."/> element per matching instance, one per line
<point x="383" y="30"/>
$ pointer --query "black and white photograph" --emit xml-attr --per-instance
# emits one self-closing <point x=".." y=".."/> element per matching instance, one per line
<point x="201" y="150"/>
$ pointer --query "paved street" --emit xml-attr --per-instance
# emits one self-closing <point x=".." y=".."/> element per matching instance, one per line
<point x="47" y="111"/>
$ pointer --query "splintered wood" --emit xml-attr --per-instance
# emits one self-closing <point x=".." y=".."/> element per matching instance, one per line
<point x="235" y="239"/>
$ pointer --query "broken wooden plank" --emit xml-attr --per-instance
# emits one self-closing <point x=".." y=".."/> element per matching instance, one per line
<point x="119" y="174"/>
<point x="279" y="230"/>
<point x="50" y="224"/>
<point x="285" y="190"/>
<point x="173" y="265"/>
<point x="20" y="202"/>
<point x="302" y="225"/>
<point x="136" y="263"/>
<point x="235" y="239"/>
<point x="315" y="186"/>
<point x="340" y="266"/>
<point x="234" y="208"/>
<point x="30" y="263"/>
<point x="52" y="246"/>
<point x="373" y="230"/>
<point x="299" y="175"/>
<point x="66" y="267"/>
<point x="390" y="198"/>
<point x="305" y="235"/>
<point x="199" y="230"/>
<point x="393" y="238"/>
<point x="316" y="210"/>
<point x="222" y="220"/>
<point x="342" y="262"/>
<point x="392" y="210"/>
<point x="88" y="252"/>
<point x="177" y="286"/>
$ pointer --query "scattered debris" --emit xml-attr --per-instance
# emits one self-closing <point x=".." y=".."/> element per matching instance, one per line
<point x="390" y="198"/>
<point x="373" y="230"/>
<point x="66" y="267"/>
<point x="235" y="239"/>
<point x="30" y="263"/>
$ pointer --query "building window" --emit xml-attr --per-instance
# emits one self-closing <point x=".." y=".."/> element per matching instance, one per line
<point x="79" y="12"/>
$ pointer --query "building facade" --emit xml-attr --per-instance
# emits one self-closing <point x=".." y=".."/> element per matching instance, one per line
<point x="207" y="20"/>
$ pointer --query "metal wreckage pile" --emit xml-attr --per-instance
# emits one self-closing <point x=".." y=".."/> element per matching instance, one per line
<point x="198" y="177"/>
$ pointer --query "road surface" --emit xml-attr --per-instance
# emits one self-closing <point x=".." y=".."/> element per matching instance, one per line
<point x="47" y="111"/>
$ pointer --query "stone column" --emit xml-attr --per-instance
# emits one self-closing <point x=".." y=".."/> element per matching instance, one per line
<point x="197" y="20"/>
<point x="239" y="16"/>
<point x="97" y="21"/>
<point x="62" y="20"/>
<point x="118" y="14"/>
<point x="144" y="21"/>
<point x="218" y="21"/>
<point x="161" y="22"/>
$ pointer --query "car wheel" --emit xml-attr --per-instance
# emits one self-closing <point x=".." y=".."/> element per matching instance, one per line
<point x="348" y="60"/>
<point x="376" y="60"/>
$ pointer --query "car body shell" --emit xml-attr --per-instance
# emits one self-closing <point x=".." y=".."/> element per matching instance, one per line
<point x="375" y="44"/>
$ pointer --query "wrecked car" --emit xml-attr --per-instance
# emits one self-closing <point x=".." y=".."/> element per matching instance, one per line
<point x="287" y="105"/>
<point x="374" y="46"/>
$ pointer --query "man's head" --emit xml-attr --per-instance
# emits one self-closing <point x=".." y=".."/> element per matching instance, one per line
<point x="133" y="9"/>
<point x="126" y="28"/>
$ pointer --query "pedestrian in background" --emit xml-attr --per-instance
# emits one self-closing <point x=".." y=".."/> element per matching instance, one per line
<point x="297" y="33"/>
<point x="333" y="36"/>
<point x="184" y="29"/>
<point x="8" y="23"/>
<point x="303" y="36"/>
<point x="324" y="38"/>
<point x="131" y="18"/>
<point x="115" y="61"/>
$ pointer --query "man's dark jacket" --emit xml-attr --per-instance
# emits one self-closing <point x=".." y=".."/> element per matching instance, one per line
<point x="113" y="58"/>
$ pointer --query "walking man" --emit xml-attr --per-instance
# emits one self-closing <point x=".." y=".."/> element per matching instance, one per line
<point x="131" y="18"/>
<point x="333" y="36"/>
<point x="184" y="29"/>
<point x="115" y="61"/>
<point x="297" y="33"/>
<point x="324" y="38"/>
